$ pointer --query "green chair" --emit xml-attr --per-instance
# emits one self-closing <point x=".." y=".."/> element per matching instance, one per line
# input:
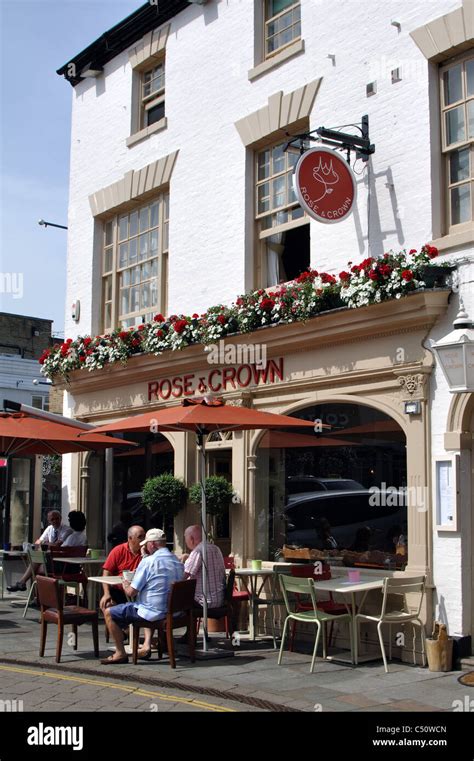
<point x="305" y="586"/>
<point x="40" y="558"/>
<point x="398" y="588"/>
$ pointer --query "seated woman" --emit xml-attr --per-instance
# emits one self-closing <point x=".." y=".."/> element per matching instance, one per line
<point x="78" y="537"/>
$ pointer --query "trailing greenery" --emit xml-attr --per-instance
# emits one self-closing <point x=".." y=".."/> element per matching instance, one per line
<point x="165" y="495"/>
<point x="219" y="493"/>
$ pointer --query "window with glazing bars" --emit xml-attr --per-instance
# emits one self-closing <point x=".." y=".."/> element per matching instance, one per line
<point x="457" y="114"/>
<point x="134" y="265"/>
<point x="153" y="95"/>
<point x="282" y="24"/>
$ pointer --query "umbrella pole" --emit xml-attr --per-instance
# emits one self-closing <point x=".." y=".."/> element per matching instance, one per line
<point x="202" y="452"/>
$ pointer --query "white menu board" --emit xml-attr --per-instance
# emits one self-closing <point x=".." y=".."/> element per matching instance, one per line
<point x="446" y="494"/>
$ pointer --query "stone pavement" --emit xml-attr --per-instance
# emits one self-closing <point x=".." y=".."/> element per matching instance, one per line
<point x="251" y="680"/>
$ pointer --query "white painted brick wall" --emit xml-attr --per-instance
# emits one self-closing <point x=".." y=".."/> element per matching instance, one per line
<point x="207" y="91"/>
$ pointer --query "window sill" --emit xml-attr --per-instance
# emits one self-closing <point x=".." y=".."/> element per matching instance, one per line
<point x="276" y="60"/>
<point x="454" y="239"/>
<point x="146" y="132"/>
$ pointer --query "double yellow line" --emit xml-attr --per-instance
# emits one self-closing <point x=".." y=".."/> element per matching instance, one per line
<point x="123" y="688"/>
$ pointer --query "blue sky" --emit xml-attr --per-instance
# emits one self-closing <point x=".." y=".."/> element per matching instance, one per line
<point x="37" y="37"/>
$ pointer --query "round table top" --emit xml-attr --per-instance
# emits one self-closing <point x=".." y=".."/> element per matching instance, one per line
<point x="254" y="571"/>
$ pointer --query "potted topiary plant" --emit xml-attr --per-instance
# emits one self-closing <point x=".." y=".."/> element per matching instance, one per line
<point x="219" y="493"/>
<point x="164" y="495"/>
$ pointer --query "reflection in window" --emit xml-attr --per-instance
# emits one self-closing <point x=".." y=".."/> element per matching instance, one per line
<point x="342" y="492"/>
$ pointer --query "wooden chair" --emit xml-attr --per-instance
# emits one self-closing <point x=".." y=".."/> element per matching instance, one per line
<point x="71" y="575"/>
<point x="54" y="612"/>
<point x="225" y="611"/>
<point x="180" y="613"/>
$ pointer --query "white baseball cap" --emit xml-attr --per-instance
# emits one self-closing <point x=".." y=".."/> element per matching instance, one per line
<point x="153" y="535"/>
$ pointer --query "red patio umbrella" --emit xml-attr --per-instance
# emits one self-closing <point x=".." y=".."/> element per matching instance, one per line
<point x="23" y="434"/>
<point x="203" y="416"/>
<point x="35" y="432"/>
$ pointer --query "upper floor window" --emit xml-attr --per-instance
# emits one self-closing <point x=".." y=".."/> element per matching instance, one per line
<point x="40" y="402"/>
<point x="282" y="24"/>
<point x="134" y="265"/>
<point x="457" y="114"/>
<point x="153" y="95"/>
<point x="282" y="228"/>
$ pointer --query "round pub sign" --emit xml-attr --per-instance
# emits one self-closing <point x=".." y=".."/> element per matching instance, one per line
<point x="325" y="185"/>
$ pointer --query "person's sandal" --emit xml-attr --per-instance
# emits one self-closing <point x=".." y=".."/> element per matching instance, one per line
<point x="17" y="588"/>
<point x="111" y="660"/>
<point x="144" y="655"/>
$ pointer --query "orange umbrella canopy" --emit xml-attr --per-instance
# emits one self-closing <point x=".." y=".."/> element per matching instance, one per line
<point x="205" y="416"/>
<point x="21" y="433"/>
<point x="284" y="440"/>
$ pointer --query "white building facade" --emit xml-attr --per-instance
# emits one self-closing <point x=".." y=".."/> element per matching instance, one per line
<point x="180" y="199"/>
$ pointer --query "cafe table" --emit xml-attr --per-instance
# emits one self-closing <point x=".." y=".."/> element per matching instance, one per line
<point x="349" y="589"/>
<point x="254" y="581"/>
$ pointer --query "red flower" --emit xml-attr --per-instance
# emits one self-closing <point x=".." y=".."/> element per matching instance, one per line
<point x="87" y="341"/>
<point x="267" y="305"/>
<point x="82" y="359"/>
<point x="261" y="292"/>
<point x="373" y="274"/>
<point x="432" y="251"/>
<point x="135" y="342"/>
<point x="328" y="279"/>
<point x="240" y="301"/>
<point x="141" y="326"/>
<point x="366" y="263"/>
<point x="221" y="319"/>
<point x="407" y="275"/>
<point x="159" y="318"/>
<point x="195" y="316"/>
<point x="69" y="340"/>
<point x="355" y="269"/>
<point x="344" y="276"/>
<point x="412" y="251"/>
<point x="180" y="325"/>
<point x="123" y="335"/>
<point x="159" y="333"/>
<point x="90" y="351"/>
<point x="385" y="269"/>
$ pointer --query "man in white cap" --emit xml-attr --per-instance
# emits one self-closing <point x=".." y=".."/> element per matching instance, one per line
<point x="151" y="584"/>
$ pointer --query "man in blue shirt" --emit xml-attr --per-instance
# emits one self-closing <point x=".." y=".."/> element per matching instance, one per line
<point x="151" y="584"/>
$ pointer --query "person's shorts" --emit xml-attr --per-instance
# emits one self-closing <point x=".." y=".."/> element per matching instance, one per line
<point x="126" y="614"/>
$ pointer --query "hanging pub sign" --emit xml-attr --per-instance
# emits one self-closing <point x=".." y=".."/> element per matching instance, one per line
<point x="325" y="185"/>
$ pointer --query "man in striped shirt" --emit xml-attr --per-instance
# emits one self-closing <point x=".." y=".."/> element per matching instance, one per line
<point x="215" y="568"/>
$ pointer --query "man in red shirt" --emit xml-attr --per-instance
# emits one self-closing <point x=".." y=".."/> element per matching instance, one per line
<point x="123" y="557"/>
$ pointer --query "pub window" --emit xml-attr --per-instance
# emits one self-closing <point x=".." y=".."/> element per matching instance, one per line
<point x="457" y="129"/>
<point x="134" y="264"/>
<point x="282" y="24"/>
<point x="40" y="402"/>
<point x="283" y="228"/>
<point x="152" y="95"/>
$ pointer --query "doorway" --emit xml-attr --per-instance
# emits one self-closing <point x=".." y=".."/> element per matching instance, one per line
<point x="220" y="464"/>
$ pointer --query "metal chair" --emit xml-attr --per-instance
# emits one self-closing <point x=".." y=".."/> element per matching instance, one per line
<point x="401" y="587"/>
<point x="40" y="558"/>
<point x="329" y="606"/>
<point x="302" y="586"/>
<point x="54" y="612"/>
